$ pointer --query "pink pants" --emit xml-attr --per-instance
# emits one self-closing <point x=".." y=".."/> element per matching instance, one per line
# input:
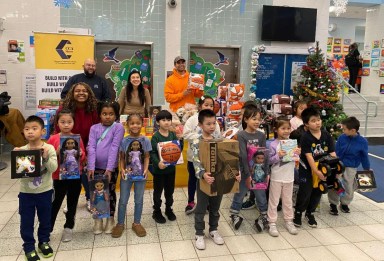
<point x="285" y="190"/>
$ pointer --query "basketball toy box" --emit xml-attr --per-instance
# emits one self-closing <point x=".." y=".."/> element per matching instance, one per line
<point x="170" y="152"/>
<point x="196" y="81"/>
<point x="221" y="159"/>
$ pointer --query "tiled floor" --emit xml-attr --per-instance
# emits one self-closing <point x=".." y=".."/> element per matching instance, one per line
<point x="355" y="236"/>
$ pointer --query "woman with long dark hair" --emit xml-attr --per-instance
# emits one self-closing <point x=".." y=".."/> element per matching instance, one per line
<point x="134" y="98"/>
<point x="353" y="62"/>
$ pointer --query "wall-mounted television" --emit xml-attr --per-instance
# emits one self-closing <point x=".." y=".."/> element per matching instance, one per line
<point x="288" y="24"/>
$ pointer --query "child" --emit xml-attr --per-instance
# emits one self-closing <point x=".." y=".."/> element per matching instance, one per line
<point x="249" y="136"/>
<point x="314" y="143"/>
<point x="105" y="136"/>
<point x="134" y="123"/>
<point x="36" y="193"/>
<point x="298" y="108"/>
<point x="69" y="187"/>
<point x="281" y="181"/>
<point x="163" y="176"/>
<point x="207" y="123"/>
<point x="352" y="149"/>
<point x="191" y="131"/>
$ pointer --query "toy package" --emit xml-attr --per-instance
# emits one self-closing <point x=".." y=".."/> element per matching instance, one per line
<point x="48" y="116"/>
<point x="123" y="119"/>
<point x="170" y="152"/>
<point x="281" y="99"/>
<point x="134" y="162"/>
<point x="69" y="157"/>
<point x="289" y="146"/>
<point x="235" y="91"/>
<point x="231" y="133"/>
<point x="365" y="181"/>
<point x="153" y="111"/>
<point x="258" y="160"/>
<point x="222" y="92"/>
<point x="196" y="81"/>
<point x="25" y="165"/>
<point x="234" y="110"/>
<point x="99" y="190"/>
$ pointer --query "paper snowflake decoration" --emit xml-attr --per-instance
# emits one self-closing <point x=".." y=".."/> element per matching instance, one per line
<point x="63" y="3"/>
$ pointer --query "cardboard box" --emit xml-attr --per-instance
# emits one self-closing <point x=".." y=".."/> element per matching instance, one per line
<point x="281" y="99"/>
<point x="221" y="159"/>
<point x="285" y="109"/>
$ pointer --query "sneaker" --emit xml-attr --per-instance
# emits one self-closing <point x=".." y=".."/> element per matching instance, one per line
<point x="98" y="226"/>
<point x="200" y="242"/>
<point x="67" y="235"/>
<point x="333" y="210"/>
<point x="261" y="223"/>
<point x="89" y="205"/>
<point x="65" y="210"/>
<point x="273" y="230"/>
<point x="249" y="204"/>
<point x="45" y="249"/>
<point x="190" y="208"/>
<point x="158" y="217"/>
<point x="109" y="226"/>
<point x="32" y="256"/>
<point x="118" y="230"/>
<point x="236" y="221"/>
<point x="311" y="220"/>
<point x="297" y="219"/>
<point x="216" y="237"/>
<point x="344" y="208"/>
<point x="170" y="215"/>
<point x="139" y="230"/>
<point x="291" y="228"/>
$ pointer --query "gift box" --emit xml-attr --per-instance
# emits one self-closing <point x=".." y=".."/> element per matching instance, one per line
<point x="26" y="164"/>
<point x="365" y="181"/>
<point x="170" y="152"/>
<point x="196" y="81"/>
<point x="221" y="159"/>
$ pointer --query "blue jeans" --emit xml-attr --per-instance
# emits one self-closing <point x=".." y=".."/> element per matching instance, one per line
<point x="261" y="199"/>
<point x="125" y="191"/>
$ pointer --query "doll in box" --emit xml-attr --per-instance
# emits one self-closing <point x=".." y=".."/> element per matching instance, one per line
<point x="135" y="158"/>
<point x="100" y="199"/>
<point x="258" y="174"/>
<point x="71" y="155"/>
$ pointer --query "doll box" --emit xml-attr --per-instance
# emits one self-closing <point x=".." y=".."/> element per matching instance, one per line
<point x="25" y="165"/>
<point x="365" y="181"/>
<point x="221" y="159"/>
<point x="99" y="192"/>
<point x="172" y="151"/>
<point x="69" y="157"/>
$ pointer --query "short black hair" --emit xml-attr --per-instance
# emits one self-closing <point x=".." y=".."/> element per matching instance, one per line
<point x="205" y="114"/>
<point x="164" y="114"/>
<point x="109" y="104"/>
<point x="34" y="118"/>
<point x="351" y="123"/>
<point x="308" y="113"/>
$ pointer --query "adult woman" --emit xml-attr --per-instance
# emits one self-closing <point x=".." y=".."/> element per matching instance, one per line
<point x="352" y="60"/>
<point x="81" y="100"/>
<point x="134" y="98"/>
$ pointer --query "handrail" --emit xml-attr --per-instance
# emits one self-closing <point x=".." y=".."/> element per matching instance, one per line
<point x="343" y="82"/>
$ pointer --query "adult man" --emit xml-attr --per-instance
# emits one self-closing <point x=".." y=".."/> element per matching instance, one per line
<point x="98" y="84"/>
<point x="176" y="90"/>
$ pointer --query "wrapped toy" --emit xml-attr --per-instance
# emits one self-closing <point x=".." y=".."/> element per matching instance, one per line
<point x="196" y="81"/>
<point x="235" y="92"/>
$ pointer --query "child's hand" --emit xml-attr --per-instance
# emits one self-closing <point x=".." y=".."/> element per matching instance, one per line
<point x="297" y="151"/>
<point x="108" y="174"/>
<point x="145" y="174"/>
<point x="238" y="177"/>
<point x="162" y="165"/>
<point x="282" y="153"/>
<point x="16" y="148"/>
<point x="91" y="174"/>
<point x="207" y="177"/>
<point x="248" y="182"/>
<point x="45" y="152"/>
<point x="320" y="175"/>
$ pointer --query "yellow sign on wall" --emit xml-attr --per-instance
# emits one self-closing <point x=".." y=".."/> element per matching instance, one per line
<point x="62" y="51"/>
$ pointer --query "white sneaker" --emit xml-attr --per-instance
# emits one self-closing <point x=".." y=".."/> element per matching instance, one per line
<point x="65" y="210"/>
<point x="98" y="227"/>
<point x="291" y="228"/>
<point x="273" y="230"/>
<point x="89" y="205"/>
<point x="109" y="226"/>
<point x="67" y="235"/>
<point x="200" y="242"/>
<point x="216" y="237"/>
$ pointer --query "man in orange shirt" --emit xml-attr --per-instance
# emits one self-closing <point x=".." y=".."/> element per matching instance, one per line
<point x="176" y="90"/>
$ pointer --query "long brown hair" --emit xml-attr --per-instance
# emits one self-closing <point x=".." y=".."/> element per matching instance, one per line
<point x="70" y="103"/>
<point x="140" y="89"/>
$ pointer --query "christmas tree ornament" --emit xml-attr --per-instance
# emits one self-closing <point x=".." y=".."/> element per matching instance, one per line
<point x="323" y="112"/>
<point x="329" y="90"/>
<point x="332" y="130"/>
<point x="315" y="89"/>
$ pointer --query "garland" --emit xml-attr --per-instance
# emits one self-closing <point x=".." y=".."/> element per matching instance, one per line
<point x="318" y="95"/>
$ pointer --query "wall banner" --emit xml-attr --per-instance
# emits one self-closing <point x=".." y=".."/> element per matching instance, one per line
<point x="57" y="58"/>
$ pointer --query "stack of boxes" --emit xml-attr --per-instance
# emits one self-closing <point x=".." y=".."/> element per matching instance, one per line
<point x="281" y="105"/>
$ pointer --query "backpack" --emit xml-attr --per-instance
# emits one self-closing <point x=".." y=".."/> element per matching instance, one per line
<point x="351" y="60"/>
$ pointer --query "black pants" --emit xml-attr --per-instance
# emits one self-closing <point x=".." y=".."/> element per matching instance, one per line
<point x="71" y="188"/>
<point x="308" y="198"/>
<point x="164" y="182"/>
<point x="353" y="72"/>
<point x="191" y="182"/>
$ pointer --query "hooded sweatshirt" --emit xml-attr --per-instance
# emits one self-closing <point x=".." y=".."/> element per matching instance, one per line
<point x="174" y="87"/>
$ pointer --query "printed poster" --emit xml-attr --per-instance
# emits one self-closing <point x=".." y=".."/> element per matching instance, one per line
<point x="366" y="71"/>
<point x="382" y="88"/>
<point x="375" y="44"/>
<point x="337" y="41"/>
<point x="29" y="91"/>
<point x="3" y="76"/>
<point x="381" y="72"/>
<point x="347" y="41"/>
<point x="337" y="49"/>
<point x="296" y="77"/>
<point x="375" y="63"/>
<point x="382" y="43"/>
<point x="375" y="53"/>
<point x="16" y="52"/>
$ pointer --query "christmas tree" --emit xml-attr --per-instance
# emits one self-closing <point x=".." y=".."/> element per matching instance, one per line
<point x="321" y="91"/>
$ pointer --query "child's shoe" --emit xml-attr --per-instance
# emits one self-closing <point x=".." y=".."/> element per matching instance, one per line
<point x="67" y="235"/>
<point x="333" y="210"/>
<point x="311" y="220"/>
<point x="216" y="237"/>
<point x="344" y="208"/>
<point x="200" y="242"/>
<point x="32" y="256"/>
<point x="261" y="222"/>
<point x="190" y="208"/>
<point x="297" y="219"/>
<point x="139" y="230"/>
<point x="98" y="226"/>
<point x="170" y="215"/>
<point x="236" y="221"/>
<point x="109" y="226"/>
<point x="158" y="217"/>
<point x="89" y="205"/>
<point x="291" y="228"/>
<point x="118" y="230"/>
<point x="45" y="249"/>
<point x="273" y="230"/>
